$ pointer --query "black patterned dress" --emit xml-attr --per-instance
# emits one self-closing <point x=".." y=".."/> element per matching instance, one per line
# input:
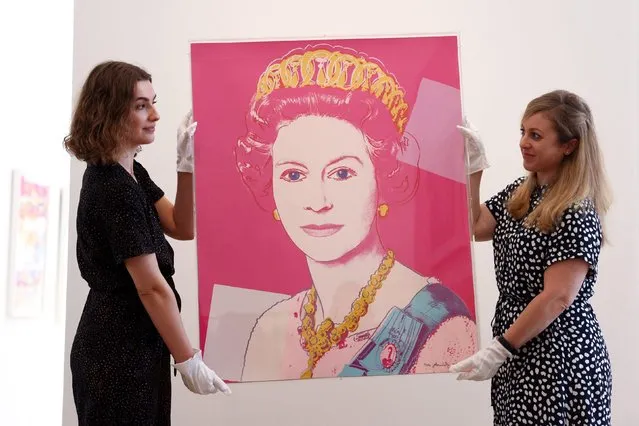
<point x="120" y="366"/>
<point x="562" y="376"/>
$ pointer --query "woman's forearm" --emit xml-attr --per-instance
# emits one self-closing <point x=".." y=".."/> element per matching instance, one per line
<point x="162" y="307"/>
<point x="538" y="315"/>
<point x="183" y="214"/>
<point x="475" y="205"/>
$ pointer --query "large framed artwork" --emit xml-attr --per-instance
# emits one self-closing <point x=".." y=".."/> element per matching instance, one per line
<point x="33" y="245"/>
<point x="332" y="212"/>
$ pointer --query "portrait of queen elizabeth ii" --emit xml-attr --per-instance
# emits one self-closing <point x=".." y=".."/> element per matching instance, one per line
<point x="321" y="280"/>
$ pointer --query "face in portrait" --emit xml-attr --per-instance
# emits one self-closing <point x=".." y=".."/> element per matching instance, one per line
<point x="324" y="187"/>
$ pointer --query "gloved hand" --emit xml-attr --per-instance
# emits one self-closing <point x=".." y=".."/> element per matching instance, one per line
<point x="199" y="378"/>
<point x="476" y="154"/>
<point x="185" y="144"/>
<point x="484" y="364"/>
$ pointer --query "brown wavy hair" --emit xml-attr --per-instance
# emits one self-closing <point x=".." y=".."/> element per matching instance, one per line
<point x="581" y="176"/>
<point x="101" y="115"/>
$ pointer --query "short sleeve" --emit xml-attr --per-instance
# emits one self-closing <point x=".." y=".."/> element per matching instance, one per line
<point x="577" y="236"/>
<point x="126" y="220"/>
<point x="153" y="192"/>
<point x="497" y="203"/>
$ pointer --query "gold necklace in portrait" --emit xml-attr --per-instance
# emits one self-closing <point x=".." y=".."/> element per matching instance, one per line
<point x="328" y="334"/>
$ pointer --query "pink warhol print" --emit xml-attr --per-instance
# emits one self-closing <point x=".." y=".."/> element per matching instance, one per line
<point x="330" y="201"/>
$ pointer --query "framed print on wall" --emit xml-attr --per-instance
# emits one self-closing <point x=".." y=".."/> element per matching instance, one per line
<point x="33" y="245"/>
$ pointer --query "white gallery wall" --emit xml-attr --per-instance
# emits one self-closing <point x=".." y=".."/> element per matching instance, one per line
<point x="36" y="48"/>
<point x="510" y="53"/>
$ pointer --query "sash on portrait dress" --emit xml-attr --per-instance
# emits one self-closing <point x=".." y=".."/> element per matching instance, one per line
<point x="397" y="342"/>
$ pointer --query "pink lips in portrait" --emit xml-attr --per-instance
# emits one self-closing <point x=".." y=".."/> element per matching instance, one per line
<point x="325" y="230"/>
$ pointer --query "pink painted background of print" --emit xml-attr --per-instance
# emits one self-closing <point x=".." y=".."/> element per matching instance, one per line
<point x="241" y="245"/>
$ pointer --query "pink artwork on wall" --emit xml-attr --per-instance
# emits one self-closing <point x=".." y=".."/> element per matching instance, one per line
<point x="29" y="234"/>
<point x="332" y="217"/>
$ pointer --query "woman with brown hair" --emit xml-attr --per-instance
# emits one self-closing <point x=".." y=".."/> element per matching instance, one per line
<point x="130" y="325"/>
<point x="548" y="360"/>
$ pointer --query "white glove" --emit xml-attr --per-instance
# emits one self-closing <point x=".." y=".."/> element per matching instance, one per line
<point x="185" y="144"/>
<point x="484" y="364"/>
<point x="476" y="154"/>
<point x="199" y="378"/>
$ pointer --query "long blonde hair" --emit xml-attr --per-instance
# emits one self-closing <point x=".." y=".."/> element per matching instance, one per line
<point x="581" y="175"/>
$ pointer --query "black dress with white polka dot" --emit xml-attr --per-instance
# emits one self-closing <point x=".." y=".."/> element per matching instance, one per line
<point x="562" y="376"/>
<point x="120" y="366"/>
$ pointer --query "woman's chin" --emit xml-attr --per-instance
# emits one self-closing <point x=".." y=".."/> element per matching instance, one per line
<point x="326" y="256"/>
<point x="326" y="252"/>
<point x="336" y="248"/>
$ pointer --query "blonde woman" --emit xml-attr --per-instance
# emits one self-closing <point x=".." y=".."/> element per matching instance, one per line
<point x="548" y="360"/>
